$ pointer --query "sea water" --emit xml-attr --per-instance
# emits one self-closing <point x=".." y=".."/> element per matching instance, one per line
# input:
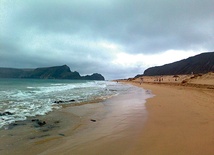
<point x="22" y="98"/>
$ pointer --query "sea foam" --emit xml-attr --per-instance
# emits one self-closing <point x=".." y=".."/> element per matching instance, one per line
<point x="24" y="97"/>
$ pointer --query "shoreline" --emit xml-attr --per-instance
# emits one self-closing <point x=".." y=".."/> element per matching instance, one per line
<point x="177" y="120"/>
<point x="27" y="137"/>
<point x="70" y="128"/>
<point x="120" y="127"/>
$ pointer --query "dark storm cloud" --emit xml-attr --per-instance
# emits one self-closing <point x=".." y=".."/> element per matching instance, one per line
<point x="81" y="33"/>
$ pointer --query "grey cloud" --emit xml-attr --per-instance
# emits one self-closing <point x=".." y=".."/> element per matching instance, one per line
<point x="33" y="33"/>
<point x="125" y="22"/>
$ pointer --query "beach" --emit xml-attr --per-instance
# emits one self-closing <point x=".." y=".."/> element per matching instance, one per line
<point x="178" y="120"/>
<point x="79" y="128"/>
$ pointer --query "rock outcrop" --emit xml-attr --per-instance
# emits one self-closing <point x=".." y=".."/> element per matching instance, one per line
<point x="94" y="76"/>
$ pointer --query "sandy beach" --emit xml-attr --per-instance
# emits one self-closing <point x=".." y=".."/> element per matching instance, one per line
<point x="178" y="120"/>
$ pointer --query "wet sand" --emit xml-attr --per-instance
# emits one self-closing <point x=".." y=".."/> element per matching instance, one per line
<point x="114" y="134"/>
<point x="29" y="138"/>
<point x="100" y="128"/>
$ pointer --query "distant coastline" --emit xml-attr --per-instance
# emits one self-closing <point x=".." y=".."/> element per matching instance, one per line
<point x="56" y="72"/>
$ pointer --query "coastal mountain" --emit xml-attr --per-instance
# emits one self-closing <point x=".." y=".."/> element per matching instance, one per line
<point x="202" y="63"/>
<point x="57" y="72"/>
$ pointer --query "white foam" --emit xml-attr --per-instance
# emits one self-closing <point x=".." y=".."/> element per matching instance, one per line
<point x="39" y="99"/>
<point x="31" y="87"/>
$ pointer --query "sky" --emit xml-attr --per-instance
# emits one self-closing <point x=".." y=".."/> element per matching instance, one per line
<point x="117" y="38"/>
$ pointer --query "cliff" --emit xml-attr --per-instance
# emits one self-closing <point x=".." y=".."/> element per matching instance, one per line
<point x="57" y="72"/>
<point x="202" y="63"/>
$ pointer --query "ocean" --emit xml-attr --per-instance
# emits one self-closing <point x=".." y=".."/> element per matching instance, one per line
<point x="22" y="98"/>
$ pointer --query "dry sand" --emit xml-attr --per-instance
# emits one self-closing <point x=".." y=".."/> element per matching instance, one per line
<point x="181" y="115"/>
<point x="180" y="121"/>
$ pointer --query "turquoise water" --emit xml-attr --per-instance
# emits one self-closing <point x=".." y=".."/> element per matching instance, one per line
<point x="30" y="97"/>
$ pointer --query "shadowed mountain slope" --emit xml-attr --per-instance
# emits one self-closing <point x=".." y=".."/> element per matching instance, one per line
<point x="201" y="63"/>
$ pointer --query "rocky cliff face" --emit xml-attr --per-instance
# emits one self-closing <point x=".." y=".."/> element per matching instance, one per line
<point x="57" y="72"/>
<point x="201" y="63"/>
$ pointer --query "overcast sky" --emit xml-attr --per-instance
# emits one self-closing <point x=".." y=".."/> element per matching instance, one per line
<point x="117" y="38"/>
